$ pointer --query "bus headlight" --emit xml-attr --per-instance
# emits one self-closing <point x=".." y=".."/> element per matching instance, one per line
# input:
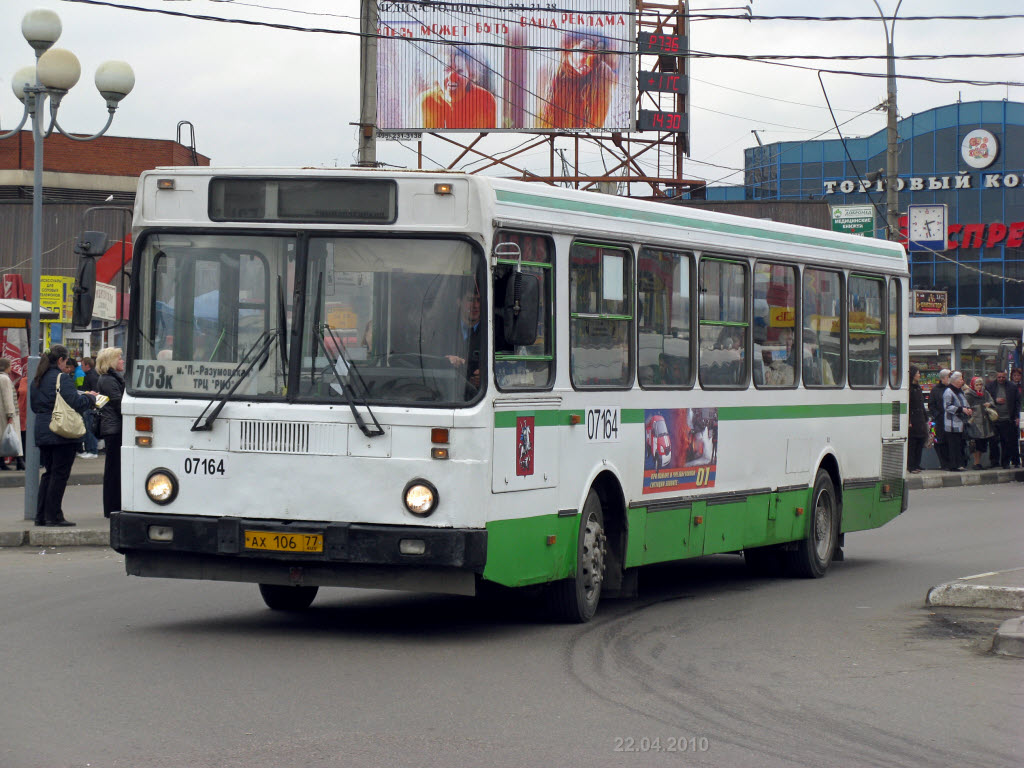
<point x="161" y="486"/>
<point x="420" y="497"/>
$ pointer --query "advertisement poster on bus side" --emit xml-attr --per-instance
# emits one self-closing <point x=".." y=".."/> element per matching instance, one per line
<point x="680" y="449"/>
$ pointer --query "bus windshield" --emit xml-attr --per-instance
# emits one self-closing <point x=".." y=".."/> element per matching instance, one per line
<point x="390" y="320"/>
<point x="394" y="320"/>
<point x="206" y="300"/>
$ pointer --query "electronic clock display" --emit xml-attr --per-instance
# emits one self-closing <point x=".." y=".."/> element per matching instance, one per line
<point x="649" y="120"/>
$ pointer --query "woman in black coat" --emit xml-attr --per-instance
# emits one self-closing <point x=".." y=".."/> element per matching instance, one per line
<point x="110" y="366"/>
<point x="917" y="433"/>
<point x="56" y="453"/>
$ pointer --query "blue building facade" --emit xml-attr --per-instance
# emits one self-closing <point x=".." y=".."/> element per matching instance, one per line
<point x="969" y="156"/>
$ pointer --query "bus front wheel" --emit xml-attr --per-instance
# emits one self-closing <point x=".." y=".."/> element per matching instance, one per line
<point x="575" y="599"/>
<point x="282" y="598"/>
<point x="812" y="556"/>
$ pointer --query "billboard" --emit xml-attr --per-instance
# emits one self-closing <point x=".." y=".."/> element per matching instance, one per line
<point x="494" y="66"/>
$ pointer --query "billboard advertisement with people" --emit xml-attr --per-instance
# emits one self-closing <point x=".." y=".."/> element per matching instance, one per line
<point x="504" y="67"/>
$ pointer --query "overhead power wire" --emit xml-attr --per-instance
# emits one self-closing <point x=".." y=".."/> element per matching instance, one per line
<point x="767" y="58"/>
<point x="748" y="17"/>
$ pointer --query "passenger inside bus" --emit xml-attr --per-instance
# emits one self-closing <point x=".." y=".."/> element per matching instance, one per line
<point x="468" y="338"/>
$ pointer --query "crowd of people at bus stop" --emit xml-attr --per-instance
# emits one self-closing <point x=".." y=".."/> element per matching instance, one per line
<point x="79" y="384"/>
<point x="966" y="421"/>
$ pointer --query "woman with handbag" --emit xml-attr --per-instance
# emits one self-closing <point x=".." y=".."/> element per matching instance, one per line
<point x="110" y="367"/>
<point x="56" y="401"/>
<point x="10" y="408"/>
<point x="980" y="431"/>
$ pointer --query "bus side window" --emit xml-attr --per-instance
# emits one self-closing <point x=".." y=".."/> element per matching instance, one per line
<point x="775" y="347"/>
<point x="664" y="324"/>
<point x="724" y="328"/>
<point x="822" y="328"/>
<point x="530" y="366"/>
<point x="865" y="323"/>
<point x="895" y="324"/>
<point x="600" y="315"/>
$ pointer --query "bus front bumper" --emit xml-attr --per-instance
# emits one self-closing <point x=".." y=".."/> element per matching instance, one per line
<point x="353" y="554"/>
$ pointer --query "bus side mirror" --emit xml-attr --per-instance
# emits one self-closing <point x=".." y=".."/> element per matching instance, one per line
<point x="520" y="308"/>
<point x="89" y="247"/>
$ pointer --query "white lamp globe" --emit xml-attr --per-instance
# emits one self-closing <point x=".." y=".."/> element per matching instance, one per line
<point x="114" y="80"/>
<point x="59" y="69"/>
<point x="41" y="28"/>
<point x="22" y="76"/>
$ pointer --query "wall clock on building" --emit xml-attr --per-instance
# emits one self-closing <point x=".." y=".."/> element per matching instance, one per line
<point x="926" y="227"/>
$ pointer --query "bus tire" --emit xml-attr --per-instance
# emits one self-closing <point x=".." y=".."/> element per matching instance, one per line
<point x="284" y="598"/>
<point x="575" y="600"/>
<point x="811" y="557"/>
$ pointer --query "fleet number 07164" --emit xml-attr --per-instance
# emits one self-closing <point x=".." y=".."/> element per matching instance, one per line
<point x="603" y="425"/>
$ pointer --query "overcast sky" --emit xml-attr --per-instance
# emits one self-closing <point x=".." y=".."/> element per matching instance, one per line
<point x="262" y="96"/>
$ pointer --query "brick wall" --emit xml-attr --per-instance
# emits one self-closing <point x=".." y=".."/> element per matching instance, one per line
<point x="105" y="156"/>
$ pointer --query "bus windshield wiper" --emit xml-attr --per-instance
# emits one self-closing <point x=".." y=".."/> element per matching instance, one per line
<point x="347" y="390"/>
<point x="350" y="367"/>
<point x="255" y="353"/>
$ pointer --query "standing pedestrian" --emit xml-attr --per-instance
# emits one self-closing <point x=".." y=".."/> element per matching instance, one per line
<point x="22" y="413"/>
<point x="917" y="431"/>
<point x="110" y="366"/>
<point x="56" y="453"/>
<point x="938" y="416"/>
<point x="980" y="432"/>
<point x="1006" y="399"/>
<point x="89" y="379"/>
<point x="957" y="413"/>
<point x="10" y="409"/>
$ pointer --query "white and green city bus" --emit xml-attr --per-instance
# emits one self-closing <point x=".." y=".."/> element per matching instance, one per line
<point x="430" y="381"/>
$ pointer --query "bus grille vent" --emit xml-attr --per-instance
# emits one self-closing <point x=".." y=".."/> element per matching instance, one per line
<point x="273" y="437"/>
<point x="892" y="469"/>
<point x="892" y="461"/>
<point x="896" y="416"/>
<point x="289" y="437"/>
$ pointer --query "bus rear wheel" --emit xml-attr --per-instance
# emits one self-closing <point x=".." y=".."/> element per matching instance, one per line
<point x="575" y="600"/>
<point x="812" y="556"/>
<point x="282" y="598"/>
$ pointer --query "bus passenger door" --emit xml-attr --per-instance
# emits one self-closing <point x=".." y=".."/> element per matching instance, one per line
<point x="526" y="444"/>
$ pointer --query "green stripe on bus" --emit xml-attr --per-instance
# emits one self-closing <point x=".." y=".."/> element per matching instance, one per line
<point x="507" y="419"/>
<point x="828" y="410"/>
<point x="554" y="418"/>
<point x="523" y="198"/>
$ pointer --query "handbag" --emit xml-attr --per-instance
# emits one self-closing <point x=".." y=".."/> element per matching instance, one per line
<point x="65" y="421"/>
<point x="10" y="443"/>
<point x="991" y="412"/>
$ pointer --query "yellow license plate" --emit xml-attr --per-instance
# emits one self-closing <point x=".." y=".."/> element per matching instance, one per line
<point x="284" y="542"/>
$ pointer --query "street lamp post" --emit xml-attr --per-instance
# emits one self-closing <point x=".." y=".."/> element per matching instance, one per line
<point x="892" y="206"/>
<point x="55" y="72"/>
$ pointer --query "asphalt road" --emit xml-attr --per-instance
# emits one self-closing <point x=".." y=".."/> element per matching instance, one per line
<point x="709" y="666"/>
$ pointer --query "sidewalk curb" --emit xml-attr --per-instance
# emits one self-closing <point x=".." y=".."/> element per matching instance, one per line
<point x="18" y="479"/>
<point x="941" y="479"/>
<point x="959" y="595"/>
<point x="13" y="538"/>
<point x="973" y="592"/>
<point x="1009" y="639"/>
<point x="67" y="538"/>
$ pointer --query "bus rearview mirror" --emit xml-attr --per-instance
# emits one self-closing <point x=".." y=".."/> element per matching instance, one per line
<point x="520" y="309"/>
<point x="90" y="245"/>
